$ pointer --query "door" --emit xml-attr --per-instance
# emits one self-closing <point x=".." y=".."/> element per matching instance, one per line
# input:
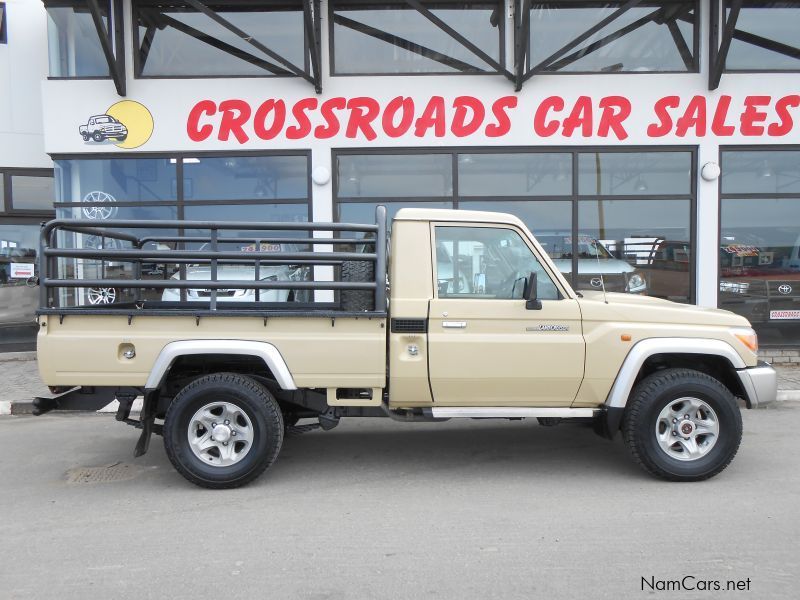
<point x="485" y="347"/>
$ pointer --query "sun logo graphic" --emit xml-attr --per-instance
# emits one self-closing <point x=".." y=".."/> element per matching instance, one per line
<point x="126" y="124"/>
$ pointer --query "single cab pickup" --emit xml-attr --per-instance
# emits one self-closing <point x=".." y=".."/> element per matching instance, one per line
<point x="459" y="314"/>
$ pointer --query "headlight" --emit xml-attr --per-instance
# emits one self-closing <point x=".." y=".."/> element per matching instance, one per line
<point x="636" y="283"/>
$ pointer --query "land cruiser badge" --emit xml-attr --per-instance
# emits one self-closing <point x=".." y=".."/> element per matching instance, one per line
<point x="548" y="328"/>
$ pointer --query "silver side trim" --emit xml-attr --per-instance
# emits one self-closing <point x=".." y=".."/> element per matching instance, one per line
<point x="618" y="396"/>
<point x="760" y="384"/>
<point x="267" y="352"/>
<point x="506" y="412"/>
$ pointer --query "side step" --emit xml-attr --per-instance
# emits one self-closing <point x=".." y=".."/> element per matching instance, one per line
<point x="510" y="412"/>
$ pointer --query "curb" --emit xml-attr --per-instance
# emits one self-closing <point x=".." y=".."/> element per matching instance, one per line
<point x="25" y="407"/>
<point x="17" y="356"/>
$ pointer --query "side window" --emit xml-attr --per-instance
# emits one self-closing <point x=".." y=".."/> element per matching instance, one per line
<point x="487" y="262"/>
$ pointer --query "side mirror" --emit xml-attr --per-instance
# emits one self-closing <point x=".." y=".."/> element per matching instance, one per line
<point x="531" y="301"/>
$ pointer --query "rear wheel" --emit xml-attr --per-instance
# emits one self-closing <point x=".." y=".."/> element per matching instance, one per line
<point x="682" y="425"/>
<point x="223" y="430"/>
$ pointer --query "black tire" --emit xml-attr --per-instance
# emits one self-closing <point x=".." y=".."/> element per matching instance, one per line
<point x="356" y="271"/>
<point x="122" y="138"/>
<point x="85" y="137"/>
<point x="97" y="136"/>
<point x="251" y="398"/>
<point x="664" y="389"/>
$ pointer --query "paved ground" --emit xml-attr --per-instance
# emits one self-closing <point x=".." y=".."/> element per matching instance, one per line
<point x="377" y="509"/>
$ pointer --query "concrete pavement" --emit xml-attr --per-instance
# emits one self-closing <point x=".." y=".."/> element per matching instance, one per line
<point x="376" y="509"/>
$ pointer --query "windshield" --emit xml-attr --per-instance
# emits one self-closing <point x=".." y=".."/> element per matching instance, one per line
<point x="560" y="246"/>
<point x="104" y="120"/>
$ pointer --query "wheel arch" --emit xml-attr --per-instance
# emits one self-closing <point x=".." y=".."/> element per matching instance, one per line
<point x="197" y="349"/>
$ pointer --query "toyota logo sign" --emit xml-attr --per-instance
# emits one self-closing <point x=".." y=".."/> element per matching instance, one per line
<point x="785" y="288"/>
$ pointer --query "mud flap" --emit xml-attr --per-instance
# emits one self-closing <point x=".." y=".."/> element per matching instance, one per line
<point x="147" y="419"/>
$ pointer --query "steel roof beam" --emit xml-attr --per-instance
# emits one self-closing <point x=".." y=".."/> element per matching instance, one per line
<point x="116" y="64"/>
<point x="717" y="59"/>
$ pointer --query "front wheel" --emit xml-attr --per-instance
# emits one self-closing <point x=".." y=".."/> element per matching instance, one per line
<point x="223" y="430"/>
<point x="682" y="425"/>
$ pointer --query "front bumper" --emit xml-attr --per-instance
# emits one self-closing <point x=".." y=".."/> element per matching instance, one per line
<point x="760" y="384"/>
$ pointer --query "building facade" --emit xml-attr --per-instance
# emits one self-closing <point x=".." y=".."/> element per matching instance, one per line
<point x="652" y="147"/>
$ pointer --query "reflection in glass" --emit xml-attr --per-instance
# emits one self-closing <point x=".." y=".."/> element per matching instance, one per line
<point x="18" y="301"/>
<point x="760" y="23"/>
<point x="634" y="173"/>
<point x="108" y="181"/>
<point x="31" y="193"/>
<point x="364" y="212"/>
<point x="637" y="246"/>
<point x="73" y="44"/>
<point x="487" y="263"/>
<point x="246" y="178"/>
<point x="760" y="264"/>
<point x="394" y="175"/>
<point x="180" y="41"/>
<point x="534" y="174"/>
<point x="540" y="217"/>
<point x="381" y="38"/>
<point x="653" y="36"/>
<point x="760" y="172"/>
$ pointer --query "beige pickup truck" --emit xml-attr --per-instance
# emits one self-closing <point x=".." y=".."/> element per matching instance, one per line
<point x="460" y="315"/>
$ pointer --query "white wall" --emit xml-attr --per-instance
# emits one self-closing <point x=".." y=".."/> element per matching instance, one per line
<point x="23" y="66"/>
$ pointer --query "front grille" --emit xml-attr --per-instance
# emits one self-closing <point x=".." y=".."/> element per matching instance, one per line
<point x="409" y="325"/>
<point x="615" y="282"/>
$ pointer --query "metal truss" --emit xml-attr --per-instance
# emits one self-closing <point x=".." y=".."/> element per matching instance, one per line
<point x="720" y="44"/>
<point x="115" y="55"/>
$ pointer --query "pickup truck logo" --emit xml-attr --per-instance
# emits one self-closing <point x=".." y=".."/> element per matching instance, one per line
<point x="555" y="327"/>
<point x="126" y="124"/>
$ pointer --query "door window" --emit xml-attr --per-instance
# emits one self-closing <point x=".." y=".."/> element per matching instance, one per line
<point x="487" y="262"/>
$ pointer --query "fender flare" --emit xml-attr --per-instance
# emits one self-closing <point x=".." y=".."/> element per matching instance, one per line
<point x="623" y="384"/>
<point x="263" y="350"/>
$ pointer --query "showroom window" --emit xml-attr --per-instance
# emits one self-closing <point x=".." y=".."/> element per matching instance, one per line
<point x="619" y="219"/>
<point x="245" y="187"/>
<point x="231" y="39"/>
<point x="78" y="38"/>
<point x="26" y="199"/>
<point x="759" y="252"/>
<point x="3" y="27"/>
<point x="569" y="36"/>
<point x="764" y="35"/>
<point x="444" y="37"/>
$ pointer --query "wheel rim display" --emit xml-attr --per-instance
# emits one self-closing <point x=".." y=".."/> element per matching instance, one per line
<point x="220" y="434"/>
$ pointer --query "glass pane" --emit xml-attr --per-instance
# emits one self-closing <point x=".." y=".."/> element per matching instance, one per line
<point x="486" y="262"/>
<point x="114" y="269"/>
<point x="761" y="172"/>
<point x="102" y="183"/>
<point x="637" y="246"/>
<point x="542" y="218"/>
<point x="246" y="178"/>
<point x="31" y="193"/>
<point x="73" y="44"/>
<point x="18" y="250"/>
<point x="760" y="265"/>
<point x="394" y="175"/>
<point x="514" y="174"/>
<point x="634" y="173"/>
<point x="653" y="36"/>
<point x="282" y="213"/>
<point x="364" y="212"/>
<point x="771" y="21"/>
<point x="178" y="41"/>
<point x="398" y="39"/>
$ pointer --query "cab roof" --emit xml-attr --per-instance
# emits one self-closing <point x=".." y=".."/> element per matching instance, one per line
<point x="452" y="215"/>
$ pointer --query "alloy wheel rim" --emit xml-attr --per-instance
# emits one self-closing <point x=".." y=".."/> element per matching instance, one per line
<point x="220" y="434"/>
<point x="687" y="429"/>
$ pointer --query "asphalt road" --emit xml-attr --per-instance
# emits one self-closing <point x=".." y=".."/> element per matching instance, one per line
<point x="376" y="509"/>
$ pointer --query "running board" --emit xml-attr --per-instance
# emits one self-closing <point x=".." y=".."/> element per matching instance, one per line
<point x="510" y="412"/>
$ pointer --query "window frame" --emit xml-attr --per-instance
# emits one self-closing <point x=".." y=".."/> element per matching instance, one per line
<point x="502" y="33"/>
<point x="695" y="48"/>
<point x="574" y="198"/>
<point x="6" y="201"/>
<point x="3" y="23"/>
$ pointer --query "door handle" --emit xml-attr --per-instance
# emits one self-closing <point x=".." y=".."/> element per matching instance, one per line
<point x="454" y="324"/>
